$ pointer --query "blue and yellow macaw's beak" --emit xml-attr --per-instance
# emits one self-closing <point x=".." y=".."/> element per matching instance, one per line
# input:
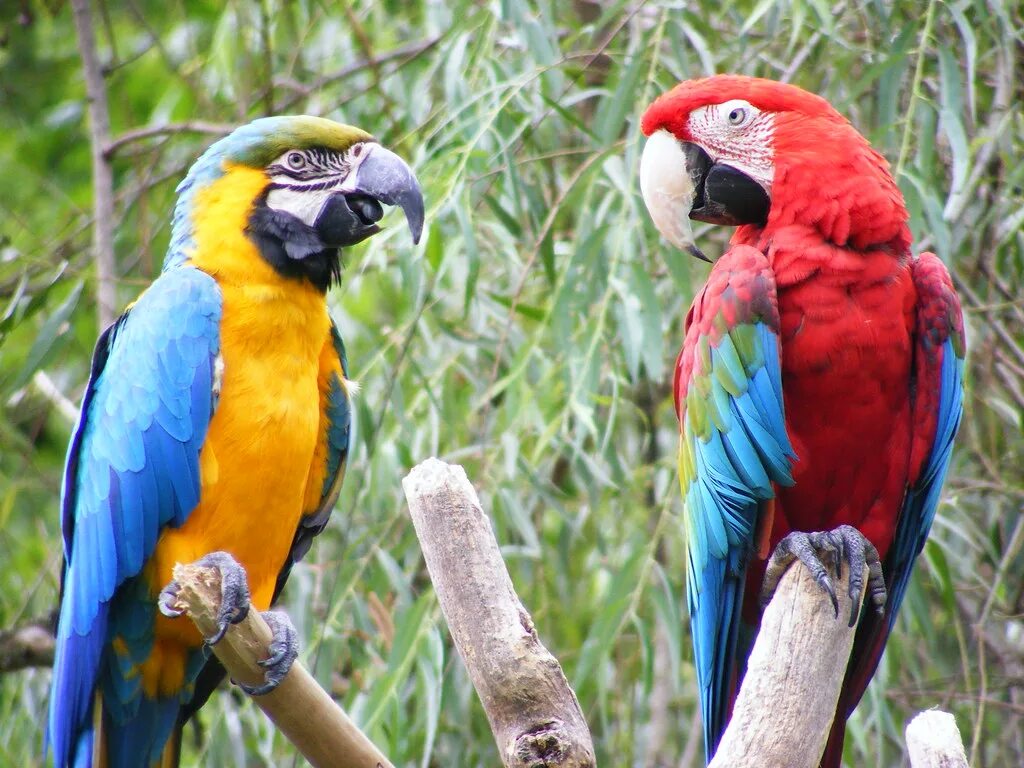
<point x="377" y="176"/>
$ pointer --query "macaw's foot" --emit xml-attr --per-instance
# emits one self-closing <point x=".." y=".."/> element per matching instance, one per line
<point x="234" y="593"/>
<point x="284" y="647"/>
<point x="843" y="543"/>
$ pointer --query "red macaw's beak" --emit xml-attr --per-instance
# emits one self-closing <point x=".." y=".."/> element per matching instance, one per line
<point x="379" y="176"/>
<point x="679" y="181"/>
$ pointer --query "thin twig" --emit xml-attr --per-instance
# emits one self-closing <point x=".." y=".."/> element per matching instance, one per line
<point x="915" y="89"/>
<point x="267" y="49"/>
<point x="102" y="172"/>
<point x="152" y="131"/>
<point x="27" y="645"/>
<point x="48" y="388"/>
<point x="1016" y="541"/>
<point x="302" y="90"/>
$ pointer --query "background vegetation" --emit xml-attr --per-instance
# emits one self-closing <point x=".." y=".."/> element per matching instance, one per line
<point x="530" y="337"/>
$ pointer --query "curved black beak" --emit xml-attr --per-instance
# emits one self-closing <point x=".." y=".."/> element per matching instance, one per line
<point x="723" y="194"/>
<point x="379" y="177"/>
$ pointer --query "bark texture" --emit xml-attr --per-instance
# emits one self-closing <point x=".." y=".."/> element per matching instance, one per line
<point x="933" y="741"/>
<point x="533" y="712"/>
<point x="299" y="707"/>
<point x="785" y="707"/>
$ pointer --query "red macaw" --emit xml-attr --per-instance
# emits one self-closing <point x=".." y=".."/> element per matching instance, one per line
<point x="820" y="382"/>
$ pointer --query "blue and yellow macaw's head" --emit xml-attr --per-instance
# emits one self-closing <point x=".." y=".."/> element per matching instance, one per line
<point x="299" y="188"/>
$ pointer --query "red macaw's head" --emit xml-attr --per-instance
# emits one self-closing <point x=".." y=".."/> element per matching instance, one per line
<point x="745" y="151"/>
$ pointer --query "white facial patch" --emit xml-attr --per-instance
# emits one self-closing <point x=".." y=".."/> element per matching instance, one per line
<point x="303" y="204"/>
<point x="738" y="134"/>
<point x="303" y="180"/>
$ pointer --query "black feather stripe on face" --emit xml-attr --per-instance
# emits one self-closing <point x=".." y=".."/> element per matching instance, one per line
<point x="312" y="187"/>
<point x="319" y="163"/>
<point x="293" y="248"/>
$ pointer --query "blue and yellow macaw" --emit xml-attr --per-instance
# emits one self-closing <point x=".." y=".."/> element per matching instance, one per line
<point x="214" y="427"/>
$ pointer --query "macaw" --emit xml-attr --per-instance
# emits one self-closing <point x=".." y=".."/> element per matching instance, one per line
<point x="214" y="427"/>
<point x="819" y="386"/>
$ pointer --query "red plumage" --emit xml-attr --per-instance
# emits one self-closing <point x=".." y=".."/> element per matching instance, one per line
<point x="862" y="327"/>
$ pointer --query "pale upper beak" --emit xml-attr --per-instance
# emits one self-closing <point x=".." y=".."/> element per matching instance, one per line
<point x="669" y="190"/>
<point x="382" y="175"/>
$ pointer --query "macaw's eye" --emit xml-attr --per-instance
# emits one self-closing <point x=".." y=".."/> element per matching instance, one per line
<point x="296" y="161"/>
<point x="736" y="113"/>
<point x="737" y="116"/>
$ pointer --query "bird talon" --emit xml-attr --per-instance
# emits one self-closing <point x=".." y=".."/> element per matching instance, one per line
<point x="167" y="602"/>
<point x="234" y="592"/>
<point x="284" y="648"/>
<point x="825" y="583"/>
<point x="844" y="543"/>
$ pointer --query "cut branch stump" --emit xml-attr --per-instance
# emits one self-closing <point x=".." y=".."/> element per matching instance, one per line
<point x="533" y="712"/>
<point x="299" y="707"/>
<point x="933" y="741"/>
<point x="784" y="710"/>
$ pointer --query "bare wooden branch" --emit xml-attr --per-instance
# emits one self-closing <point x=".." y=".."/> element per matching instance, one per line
<point x="168" y="129"/>
<point x="27" y="645"/>
<point x="933" y="741"/>
<point x="102" y="172"/>
<point x="534" y="714"/>
<point x="785" y="707"/>
<point x="299" y="707"/>
<point x="408" y="51"/>
<point x="48" y="388"/>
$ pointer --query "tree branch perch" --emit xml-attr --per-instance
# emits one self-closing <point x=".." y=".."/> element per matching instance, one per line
<point x="299" y="707"/>
<point x="534" y="714"/>
<point x="933" y="741"/>
<point x="787" y="702"/>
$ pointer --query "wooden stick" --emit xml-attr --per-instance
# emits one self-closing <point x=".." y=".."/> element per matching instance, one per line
<point x="299" y="707"/>
<point x="27" y="645"/>
<point x="102" y="172"/>
<point x="785" y="707"/>
<point x="534" y="714"/>
<point x="933" y="741"/>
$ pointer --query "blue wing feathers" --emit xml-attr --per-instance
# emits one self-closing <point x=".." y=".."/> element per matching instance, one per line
<point x="922" y="501"/>
<point x="745" y="459"/>
<point x="70" y="478"/>
<point x="769" y="344"/>
<point x="133" y="466"/>
<point x="747" y="450"/>
<point x="727" y="366"/>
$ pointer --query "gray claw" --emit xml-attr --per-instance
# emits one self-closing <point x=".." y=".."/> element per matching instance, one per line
<point x="167" y="601"/>
<point x="843" y="543"/>
<point x="234" y="592"/>
<point x="284" y="648"/>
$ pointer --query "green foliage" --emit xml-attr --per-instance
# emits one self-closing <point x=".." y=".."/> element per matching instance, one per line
<point x="530" y="337"/>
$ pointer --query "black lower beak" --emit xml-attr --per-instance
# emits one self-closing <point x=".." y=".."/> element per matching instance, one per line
<point x="723" y="194"/>
<point x="380" y="178"/>
<point x="348" y="218"/>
